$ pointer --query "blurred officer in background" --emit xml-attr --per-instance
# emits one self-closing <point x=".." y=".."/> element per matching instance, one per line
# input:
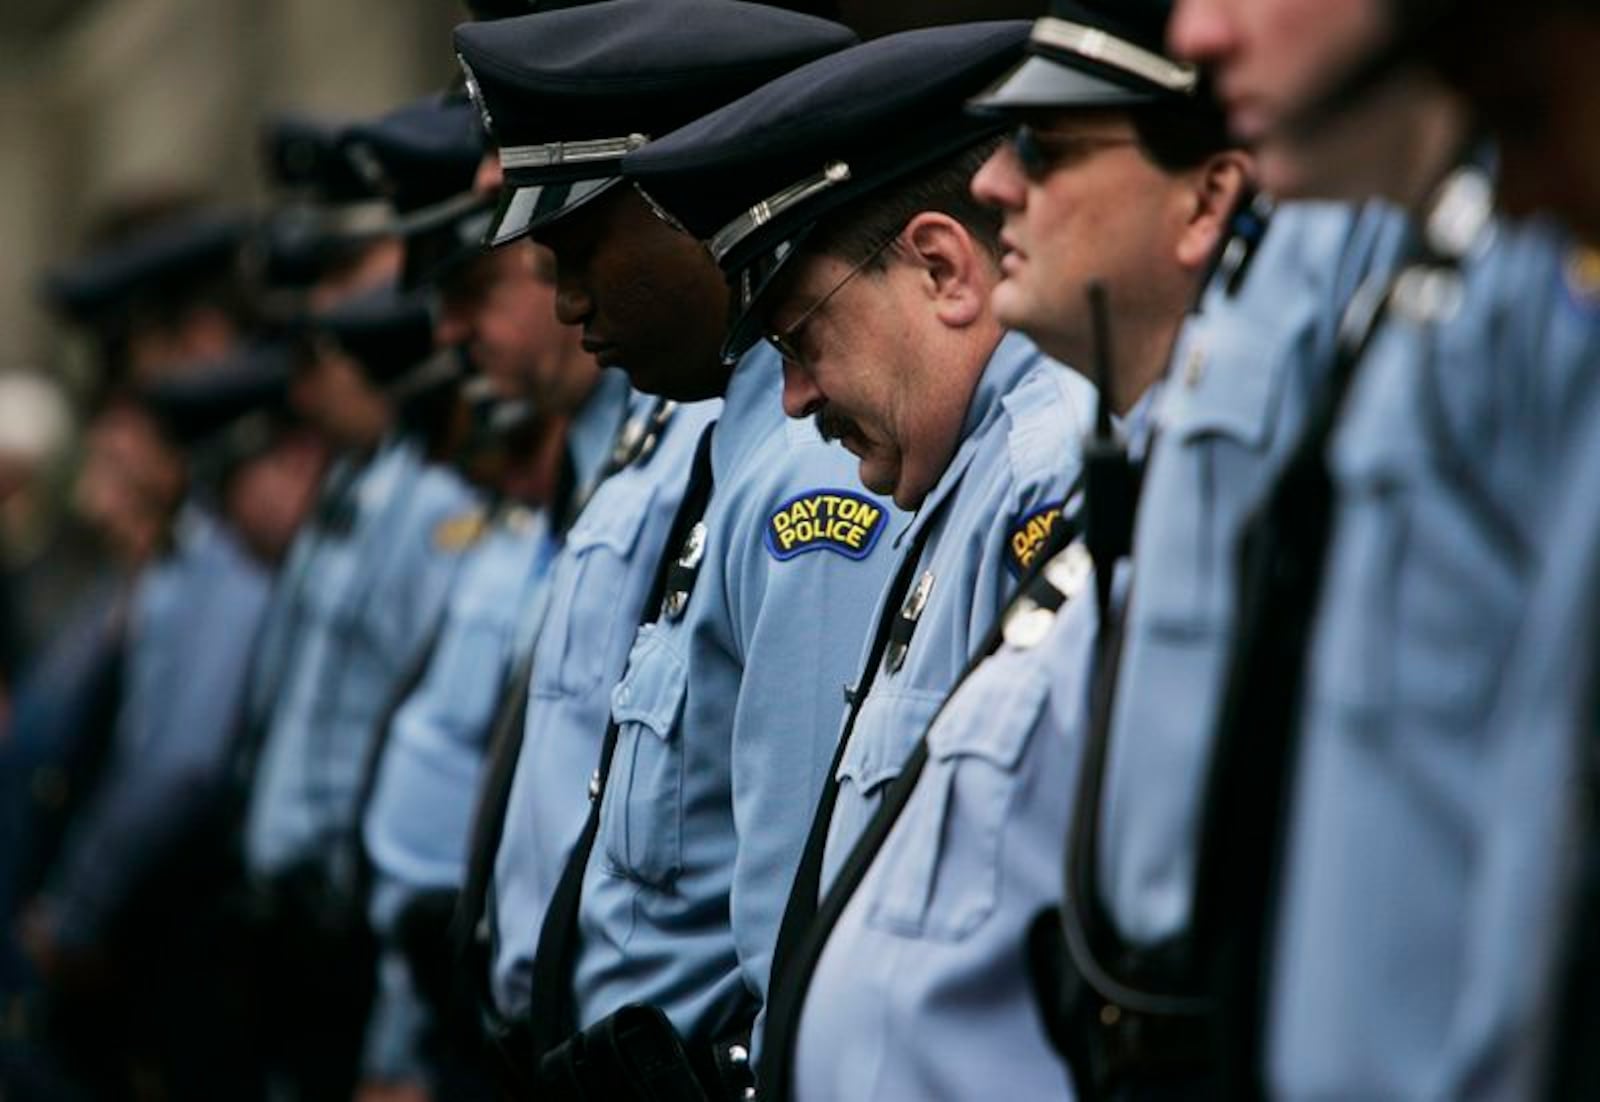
<point x="1465" y="384"/>
<point x="658" y="930"/>
<point x="497" y="308"/>
<point x="130" y="930"/>
<point x="362" y="590"/>
<point x="157" y="282"/>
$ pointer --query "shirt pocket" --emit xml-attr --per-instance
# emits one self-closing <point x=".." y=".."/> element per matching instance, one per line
<point x="465" y="675"/>
<point x="885" y="733"/>
<point x="938" y="874"/>
<point x="1205" y="473"/>
<point x="585" y="611"/>
<point x="641" y="811"/>
<point x="1376" y="461"/>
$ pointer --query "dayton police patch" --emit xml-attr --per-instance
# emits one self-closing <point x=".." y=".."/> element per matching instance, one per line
<point x="460" y="532"/>
<point x="1030" y="534"/>
<point x="1581" y="273"/>
<point x="825" y="520"/>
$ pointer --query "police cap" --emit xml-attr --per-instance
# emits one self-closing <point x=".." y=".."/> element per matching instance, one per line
<point x="177" y="253"/>
<point x="387" y="331"/>
<point x="754" y="178"/>
<point x="565" y="94"/>
<point x="329" y="206"/>
<point x="196" y="406"/>
<point x="424" y="157"/>
<point x="1095" y="53"/>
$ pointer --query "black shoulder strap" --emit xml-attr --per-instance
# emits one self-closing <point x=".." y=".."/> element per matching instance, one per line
<point x="808" y="922"/>
<point x="488" y="820"/>
<point x="553" y="1015"/>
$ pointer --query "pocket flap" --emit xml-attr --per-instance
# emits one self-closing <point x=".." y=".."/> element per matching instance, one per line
<point x="617" y="529"/>
<point x="1236" y="402"/>
<point x="992" y="718"/>
<point x="885" y="733"/>
<point x="651" y="691"/>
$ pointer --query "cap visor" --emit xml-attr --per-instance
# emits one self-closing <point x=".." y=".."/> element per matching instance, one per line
<point x="526" y="208"/>
<point x="755" y="287"/>
<point x="1043" y="83"/>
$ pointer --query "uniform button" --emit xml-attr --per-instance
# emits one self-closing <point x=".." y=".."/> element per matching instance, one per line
<point x="1110" y="1015"/>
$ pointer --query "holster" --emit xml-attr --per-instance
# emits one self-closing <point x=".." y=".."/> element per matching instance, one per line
<point x="635" y="1055"/>
<point x="1113" y="1051"/>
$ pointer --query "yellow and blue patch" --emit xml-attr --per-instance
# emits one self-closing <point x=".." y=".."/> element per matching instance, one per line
<point x="826" y="520"/>
<point x="460" y="532"/>
<point x="1581" y="273"/>
<point x="1029" y="535"/>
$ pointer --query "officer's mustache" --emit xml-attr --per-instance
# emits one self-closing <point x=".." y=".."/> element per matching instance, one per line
<point x="834" y="426"/>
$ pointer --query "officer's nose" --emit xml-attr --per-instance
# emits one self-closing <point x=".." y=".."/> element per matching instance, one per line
<point x="999" y="181"/>
<point x="801" y="395"/>
<point x="573" y="303"/>
<point x="1199" y="30"/>
<point x="453" y="325"/>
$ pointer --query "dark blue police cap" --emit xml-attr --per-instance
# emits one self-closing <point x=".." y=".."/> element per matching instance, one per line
<point x="565" y="94"/>
<point x="196" y="406"/>
<point x="753" y="178"/>
<point x="389" y="333"/>
<point x="329" y="206"/>
<point x="305" y="158"/>
<point x="424" y="157"/>
<point x="1096" y="53"/>
<point x="418" y="155"/>
<point x="179" y="252"/>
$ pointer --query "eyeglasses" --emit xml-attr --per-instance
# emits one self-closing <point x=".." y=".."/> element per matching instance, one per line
<point x="1038" y="151"/>
<point x="786" y="340"/>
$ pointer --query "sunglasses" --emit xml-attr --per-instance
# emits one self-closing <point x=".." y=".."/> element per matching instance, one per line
<point x="787" y="339"/>
<point x="1039" y="152"/>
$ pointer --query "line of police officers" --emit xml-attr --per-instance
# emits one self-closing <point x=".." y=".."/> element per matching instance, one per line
<point x="743" y="563"/>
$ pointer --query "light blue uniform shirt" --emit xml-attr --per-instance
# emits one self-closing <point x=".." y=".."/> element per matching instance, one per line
<point x="923" y="989"/>
<point x="1018" y="458"/>
<point x="1533" y="844"/>
<point x="1443" y="467"/>
<point x="597" y="590"/>
<point x="360" y="605"/>
<point x="418" y="818"/>
<point x="728" y="717"/>
<point x="1244" y="373"/>
<point x="195" y="618"/>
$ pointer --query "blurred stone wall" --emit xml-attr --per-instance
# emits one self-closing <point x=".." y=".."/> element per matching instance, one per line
<point x="99" y="97"/>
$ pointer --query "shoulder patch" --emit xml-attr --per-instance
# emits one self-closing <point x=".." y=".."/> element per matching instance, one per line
<point x="1582" y="272"/>
<point x="460" y="532"/>
<point x="1029" y="534"/>
<point x="825" y="520"/>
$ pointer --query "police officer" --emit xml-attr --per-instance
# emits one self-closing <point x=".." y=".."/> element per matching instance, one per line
<point x="884" y="249"/>
<point x="1425" y="581"/>
<point x="727" y="706"/>
<point x="421" y="792"/>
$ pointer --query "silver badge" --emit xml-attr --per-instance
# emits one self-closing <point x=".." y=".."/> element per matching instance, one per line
<point x="910" y="613"/>
<point x="694" y="549"/>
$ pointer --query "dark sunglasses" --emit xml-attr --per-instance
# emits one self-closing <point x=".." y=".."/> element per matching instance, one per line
<point x="1041" y="151"/>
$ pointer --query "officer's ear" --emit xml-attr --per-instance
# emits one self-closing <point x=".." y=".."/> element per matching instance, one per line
<point x="951" y="267"/>
<point x="1213" y="193"/>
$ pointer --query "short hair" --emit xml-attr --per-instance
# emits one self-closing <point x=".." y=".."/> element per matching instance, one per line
<point x="1180" y="137"/>
<point x="856" y="230"/>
